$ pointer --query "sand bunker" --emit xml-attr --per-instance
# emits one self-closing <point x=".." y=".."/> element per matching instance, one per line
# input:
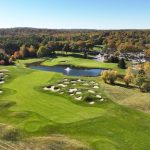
<point x="91" y="91"/>
<point x="78" y="98"/>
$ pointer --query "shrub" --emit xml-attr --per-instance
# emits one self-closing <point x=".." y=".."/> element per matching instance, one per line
<point x="113" y="59"/>
<point x="139" y="80"/>
<point x="145" y="87"/>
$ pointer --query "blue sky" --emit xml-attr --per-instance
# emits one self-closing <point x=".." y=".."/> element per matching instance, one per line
<point x="91" y="14"/>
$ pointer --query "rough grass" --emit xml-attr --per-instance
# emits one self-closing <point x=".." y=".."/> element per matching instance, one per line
<point x="107" y="126"/>
<point x="54" y="142"/>
<point x="131" y="97"/>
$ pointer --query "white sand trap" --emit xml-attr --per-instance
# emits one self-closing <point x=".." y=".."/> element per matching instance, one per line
<point x="91" y="103"/>
<point x="79" y="80"/>
<point x="72" y="90"/>
<point x="78" y="93"/>
<point x="53" y="89"/>
<point x="66" y="82"/>
<point x="96" y="84"/>
<point x="71" y="94"/>
<point x="86" y="84"/>
<point x="56" y="90"/>
<point x="92" y="82"/>
<point x="46" y="89"/>
<point x="101" y="100"/>
<point x="1" y="82"/>
<point x="6" y="76"/>
<point x="4" y="70"/>
<point x="98" y="96"/>
<point x="96" y="87"/>
<point x="78" y="98"/>
<point x="1" y="73"/>
<point x="91" y="91"/>
<point x="74" y="84"/>
<point x="1" y="92"/>
<point x="73" y="81"/>
<point x="61" y="93"/>
<point x="62" y="85"/>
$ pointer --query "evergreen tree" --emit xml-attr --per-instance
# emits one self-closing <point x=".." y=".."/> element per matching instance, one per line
<point x="122" y="64"/>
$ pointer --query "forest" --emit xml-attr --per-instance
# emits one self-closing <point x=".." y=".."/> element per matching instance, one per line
<point x="32" y="42"/>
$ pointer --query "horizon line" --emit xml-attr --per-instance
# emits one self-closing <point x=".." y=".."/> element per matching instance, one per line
<point x="76" y="28"/>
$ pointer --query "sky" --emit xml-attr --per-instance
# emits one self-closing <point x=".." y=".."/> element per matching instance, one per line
<point x="75" y="14"/>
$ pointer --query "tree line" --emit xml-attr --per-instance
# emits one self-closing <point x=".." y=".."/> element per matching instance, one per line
<point x="30" y="42"/>
<point x="139" y="78"/>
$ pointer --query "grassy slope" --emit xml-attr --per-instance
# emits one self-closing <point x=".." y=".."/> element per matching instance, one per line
<point x="126" y="96"/>
<point x="107" y="126"/>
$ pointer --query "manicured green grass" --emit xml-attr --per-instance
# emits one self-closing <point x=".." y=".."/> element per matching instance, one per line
<point x="107" y="126"/>
<point x="79" y="62"/>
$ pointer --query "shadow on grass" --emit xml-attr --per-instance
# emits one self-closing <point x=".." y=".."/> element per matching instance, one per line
<point x="123" y="85"/>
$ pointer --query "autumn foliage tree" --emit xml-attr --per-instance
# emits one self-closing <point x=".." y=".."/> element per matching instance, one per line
<point x="109" y="76"/>
<point x="42" y="51"/>
<point x="128" y="78"/>
<point x="16" y="55"/>
<point x="104" y="75"/>
<point x="147" y="69"/>
<point x="147" y="52"/>
<point x="23" y="51"/>
<point x="32" y="51"/>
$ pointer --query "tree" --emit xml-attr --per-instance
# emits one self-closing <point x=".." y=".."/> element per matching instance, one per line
<point x="11" y="59"/>
<point x="128" y="78"/>
<point x="113" y="59"/>
<point x="32" y="51"/>
<point x="52" y="46"/>
<point x="16" y="54"/>
<point x="82" y="47"/>
<point x="139" y="80"/>
<point x="147" y="52"/>
<point x="104" y="75"/>
<point x="145" y="87"/>
<point x="147" y="70"/>
<point x="140" y="76"/>
<point x="88" y="45"/>
<point x="109" y="76"/>
<point x="42" y="51"/>
<point x="66" y="47"/>
<point x="112" y="76"/>
<point x="122" y="64"/>
<point x="24" y="51"/>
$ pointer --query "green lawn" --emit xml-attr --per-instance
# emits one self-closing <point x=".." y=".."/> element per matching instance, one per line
<point x="78" y="62"/>
<point x="107" y="126"/>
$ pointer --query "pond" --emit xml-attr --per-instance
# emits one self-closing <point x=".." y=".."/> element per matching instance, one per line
<point x="68" y="70"/>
